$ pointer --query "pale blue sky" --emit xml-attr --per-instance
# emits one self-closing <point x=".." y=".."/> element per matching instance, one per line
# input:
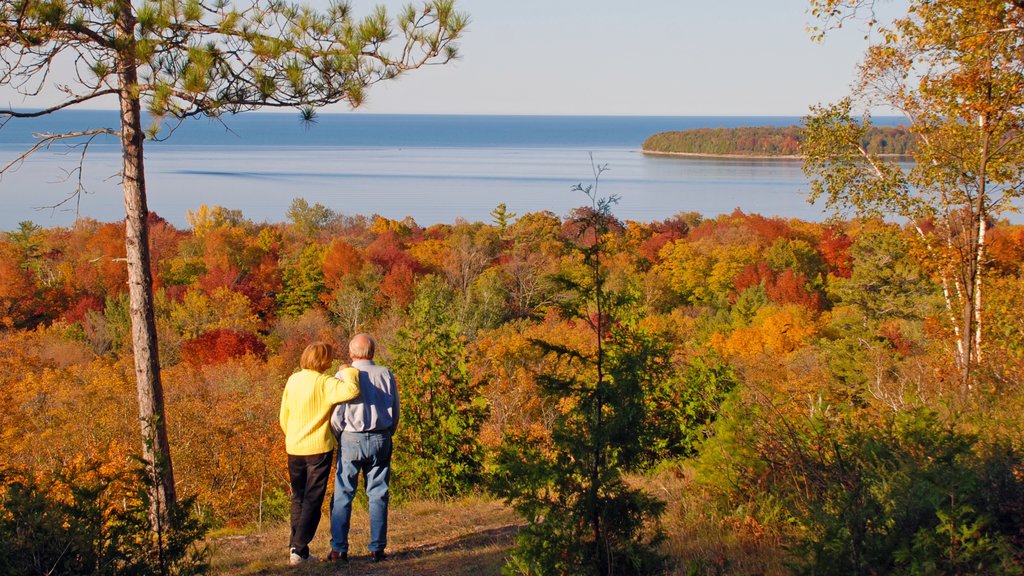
<point x="649" y="57"/>
<point x="643" y="57"/>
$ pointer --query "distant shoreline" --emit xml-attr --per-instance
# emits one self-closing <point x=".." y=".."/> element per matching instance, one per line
<point x="749" y="156"/>
<point x="722" y="156"/>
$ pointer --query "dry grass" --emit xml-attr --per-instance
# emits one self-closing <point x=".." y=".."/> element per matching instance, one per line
<point x="700" y="540"/>
<point x="467" y="537"/>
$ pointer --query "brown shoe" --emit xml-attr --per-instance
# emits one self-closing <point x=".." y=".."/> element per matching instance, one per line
<point x="333" y="556"/>
<point x="378" y="556"/>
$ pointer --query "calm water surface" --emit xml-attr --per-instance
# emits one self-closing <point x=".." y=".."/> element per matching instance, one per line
<point x="434" y="168"/>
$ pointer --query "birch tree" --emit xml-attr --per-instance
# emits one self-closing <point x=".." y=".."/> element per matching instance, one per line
<point x="185" y="58"/>
<point x="955" y="70"/>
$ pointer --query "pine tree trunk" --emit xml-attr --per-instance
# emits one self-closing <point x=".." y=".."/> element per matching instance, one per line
<point x="155" y="446"/>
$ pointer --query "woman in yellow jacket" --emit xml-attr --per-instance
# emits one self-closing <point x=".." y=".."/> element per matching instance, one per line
<point x="306" y="407"/>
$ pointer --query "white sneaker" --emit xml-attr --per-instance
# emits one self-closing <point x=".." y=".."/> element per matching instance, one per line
<point x="294" y="559"/>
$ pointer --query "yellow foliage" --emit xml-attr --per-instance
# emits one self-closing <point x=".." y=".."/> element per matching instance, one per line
<point x="55" y="414"/>
<point x="701" y="270"/>
<point x="206" y="218"/>
<point x="380" y="225"/>
<point x="198" y="313"/>
<point x="432" y="253"/>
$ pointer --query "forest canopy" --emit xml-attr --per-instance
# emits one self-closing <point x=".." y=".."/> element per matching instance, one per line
<point x="767" y="141"/>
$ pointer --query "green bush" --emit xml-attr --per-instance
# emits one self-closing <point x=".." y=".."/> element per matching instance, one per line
<point x="909" y="494"/>
<point x="86" y="519"/>
<point x="438" y="453"/>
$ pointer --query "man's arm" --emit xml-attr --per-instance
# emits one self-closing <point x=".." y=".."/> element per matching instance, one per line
<point x="397" y="407"/>
<point x="338" y="420"/>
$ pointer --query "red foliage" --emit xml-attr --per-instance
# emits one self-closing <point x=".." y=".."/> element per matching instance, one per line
<point x="892" y="334"/>
<point x="770" y="229"/>
<point x="790" y="287"/>
<point x="163" y="244"/>
<point x="835" y="250"/>
<point x="18" y="305"/>
<point x="579" y="226"/>
<point x="81" y="306"/>
<point x="261" y="284"/>
<point x="387" y="252"/>
<point x="220" y="345"/>
<point x="740" y="227"/>
<point x="664" y="232"/>
<point x="397" y="286"/>
<point x="219" y="277"/>
<point x="751" y="276"/>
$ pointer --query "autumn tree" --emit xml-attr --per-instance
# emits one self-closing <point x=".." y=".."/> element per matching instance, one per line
<point x="186" y="58"/>
<point x="954" y="69"/>
<point x="443" y="409"/>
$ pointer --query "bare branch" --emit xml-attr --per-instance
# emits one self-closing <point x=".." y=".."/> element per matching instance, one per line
<point x="66" y="104"/>
<point x="47" y="140"/>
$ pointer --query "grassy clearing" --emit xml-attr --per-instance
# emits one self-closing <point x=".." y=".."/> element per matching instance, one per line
<point x="467" y="537"/>
<point x="472" y="537"/>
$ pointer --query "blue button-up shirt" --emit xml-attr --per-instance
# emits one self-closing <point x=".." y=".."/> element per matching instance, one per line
<point x="377" y="407"/>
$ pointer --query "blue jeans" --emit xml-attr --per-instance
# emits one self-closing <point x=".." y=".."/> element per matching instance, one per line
<point x="369" y="453"/>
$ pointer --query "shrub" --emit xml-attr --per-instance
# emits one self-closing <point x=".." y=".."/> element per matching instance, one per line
<point x="93" y="518"/>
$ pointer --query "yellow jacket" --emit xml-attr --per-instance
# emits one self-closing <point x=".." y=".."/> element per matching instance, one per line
<point x="306" y="406"/>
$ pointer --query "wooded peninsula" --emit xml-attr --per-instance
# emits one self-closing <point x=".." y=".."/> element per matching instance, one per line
<point x="767" y="141"/>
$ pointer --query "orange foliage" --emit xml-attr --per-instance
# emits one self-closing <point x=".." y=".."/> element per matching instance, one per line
<point x="228" y="449"/>
<point x="163" y="244"/>
<point x="62" y="413"/>
<point x="397" y="286"/>
<point x="790" y="287"/>
<point x="342" y="259"/>
<point x="1006" y="249"/>
<point x="263" y="281"/>
<point x="98" y="252"/>
<point x="506" y="363"/>
<point x="18" y="306"/>
<point x="431" y="253"/>
<point x="773" y="331"/>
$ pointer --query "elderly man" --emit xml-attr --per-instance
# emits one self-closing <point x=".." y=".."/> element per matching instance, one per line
<point x="365" y="428"/>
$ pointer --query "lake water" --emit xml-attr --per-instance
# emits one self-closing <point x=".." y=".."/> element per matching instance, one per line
<point x="434" y="168"/>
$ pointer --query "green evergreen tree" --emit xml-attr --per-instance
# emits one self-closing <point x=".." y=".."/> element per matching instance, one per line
<point x="502" y="217"/>
<point x="583" y="518"/>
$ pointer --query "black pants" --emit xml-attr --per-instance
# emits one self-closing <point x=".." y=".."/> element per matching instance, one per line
<point x="309" y="475"/>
